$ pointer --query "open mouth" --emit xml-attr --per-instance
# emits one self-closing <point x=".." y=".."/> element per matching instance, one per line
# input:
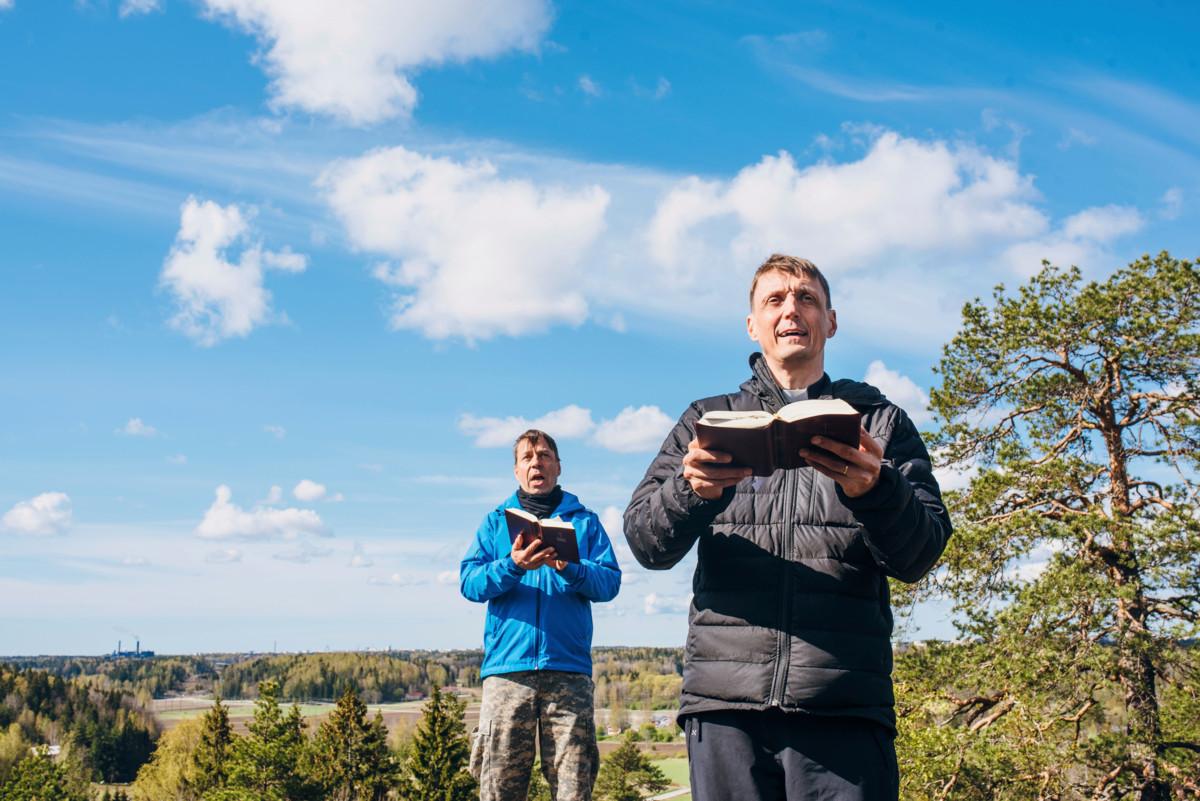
<point x="792" y="333"/>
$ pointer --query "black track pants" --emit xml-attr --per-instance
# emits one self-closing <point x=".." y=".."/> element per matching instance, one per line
<point x="773" y="756"/>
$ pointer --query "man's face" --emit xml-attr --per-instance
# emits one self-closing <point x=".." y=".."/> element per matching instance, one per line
<point x="788" y="319"/>
<point x="537" y="467"/>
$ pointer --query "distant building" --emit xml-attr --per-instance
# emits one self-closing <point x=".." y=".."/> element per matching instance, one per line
<point x="46" y="750"/>
<point x="136" y="653"/>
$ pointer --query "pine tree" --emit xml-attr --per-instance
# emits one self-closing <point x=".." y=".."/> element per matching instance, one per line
<point x="350" y="757"/>
<point x="211" y="758"/>
<point x="629" y="775"/>
<point x="1075" y="563"/>
<point x="437" y="767"/>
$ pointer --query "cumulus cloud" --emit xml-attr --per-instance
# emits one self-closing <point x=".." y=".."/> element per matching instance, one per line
<point x="48" y="513"/>
<point x="136" y="428"/>
<point x="308" y="491"/>
<point x="634" y="430"/>
<point x="900" y="390"/>
<point x="448" y="578"/>
<point x="475" y="255"/>
<point x="569" y="422"/>
<point x="655" y="604"/>
<point x="216" y="298"/>
<point x="1171" y="204"/>
<point x="226" y="520"/>
<point x="274" y="496"/>
<point x="132" y="7"/>
<point x="354" y="63"/>
<point x="902" y="195"/>
<point x="1082" y="239"/>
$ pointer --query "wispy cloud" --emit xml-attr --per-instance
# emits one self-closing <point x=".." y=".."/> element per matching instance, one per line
<point x="589" y="86"/>
<point x="131" y="8"/>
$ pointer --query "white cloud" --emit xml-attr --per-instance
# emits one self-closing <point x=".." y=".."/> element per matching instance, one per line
<point x="218" y="299"/>
<point x="953" y="478"/>
<point x="48" y="513"/>
<point x="353" y="61"/>
<point x="900" y="390"/>
<point x="1074" y="137"/>
<point x="903" y="195"/>
<point x="223" y="556"/>
<point x="478" y="255"/>
<point x="179" y="459"/>
<point x="634" y="430"/>
<point x="136" y="428"/>
<point x="1081" y="240"/>
<point x="278" y="432"/>
<point x="308" y="491"/>
<point x="655" y="604"/>
<point x="134" y="561"/>
<point x="448" y="578"/>
<point x="131" y="7"/>
<point x="274" y="496"/>
<point x="589" y="87"/>
<point x="569" y="422"/>
<point x="5" y="4"/>
<point x="225" y="520"/>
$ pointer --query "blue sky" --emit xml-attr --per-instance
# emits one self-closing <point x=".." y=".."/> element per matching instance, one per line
<point x="280" y="284"/>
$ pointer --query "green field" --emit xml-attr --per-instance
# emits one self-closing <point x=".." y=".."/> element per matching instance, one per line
<point x="676" y="770"/>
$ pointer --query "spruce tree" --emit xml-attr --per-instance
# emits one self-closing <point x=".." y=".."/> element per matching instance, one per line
<point x="629" y="775"/>
<point x="267" y="764"/>
<point x="437" y="766"/>
<point x="350" y="757"/>
<point x="213" y="752"/>
<point x="38" y="778"/>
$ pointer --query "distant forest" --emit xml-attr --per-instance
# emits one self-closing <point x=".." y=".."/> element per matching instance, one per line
<point x="629" y="678"/>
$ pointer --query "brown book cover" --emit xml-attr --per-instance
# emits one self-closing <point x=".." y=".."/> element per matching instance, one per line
<point x="553" y="532"/>
<point x="767" y="442"/>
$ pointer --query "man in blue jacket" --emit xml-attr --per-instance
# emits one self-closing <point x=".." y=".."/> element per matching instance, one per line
<point x="537" y="642"/>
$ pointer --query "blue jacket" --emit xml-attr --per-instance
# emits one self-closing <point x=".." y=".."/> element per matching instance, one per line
<point x="539" y="619"/>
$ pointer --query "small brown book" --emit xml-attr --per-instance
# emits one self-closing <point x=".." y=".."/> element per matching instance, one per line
<point x="553" y="532"/>
<point x="767" y="442"/>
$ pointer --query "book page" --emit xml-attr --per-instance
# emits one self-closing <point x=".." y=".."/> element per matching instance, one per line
<point x="736" y="419"/>
<point x="815" y="408"/>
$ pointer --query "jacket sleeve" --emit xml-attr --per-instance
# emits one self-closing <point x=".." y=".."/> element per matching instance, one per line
<point x="483" y="575"/>
<point x="665" y="517"/>
<point x="907" y="525"/>
<point x="597" y="577"/>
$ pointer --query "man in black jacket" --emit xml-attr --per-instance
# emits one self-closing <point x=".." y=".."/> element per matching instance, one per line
<point x="787" y="689"/>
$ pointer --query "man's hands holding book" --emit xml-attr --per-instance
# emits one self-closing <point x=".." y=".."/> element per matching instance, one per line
<point x="534" y="555"/>
<point x="856" y="470"/>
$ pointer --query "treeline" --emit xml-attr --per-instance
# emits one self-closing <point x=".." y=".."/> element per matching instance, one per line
<point x="637" y="678"/>
<point x="104" y="734"/>
<point x="149" y="678"/>
<point x="375" y="677"/>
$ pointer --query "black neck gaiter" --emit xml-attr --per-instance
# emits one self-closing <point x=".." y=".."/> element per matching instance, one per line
<point x="541" y="505"/>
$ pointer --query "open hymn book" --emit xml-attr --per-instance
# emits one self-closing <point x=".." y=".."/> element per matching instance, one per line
<point x="767" y="442"/>
<point x="552" y="531"/>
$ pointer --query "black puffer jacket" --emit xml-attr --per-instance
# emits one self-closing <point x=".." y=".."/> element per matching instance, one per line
<point x="790" y="601"/>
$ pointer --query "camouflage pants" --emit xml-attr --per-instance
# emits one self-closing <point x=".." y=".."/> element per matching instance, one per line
<point x="549" y="707"/>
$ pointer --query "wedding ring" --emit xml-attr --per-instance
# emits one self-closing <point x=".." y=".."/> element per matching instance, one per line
<point x="845" y="469"/>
